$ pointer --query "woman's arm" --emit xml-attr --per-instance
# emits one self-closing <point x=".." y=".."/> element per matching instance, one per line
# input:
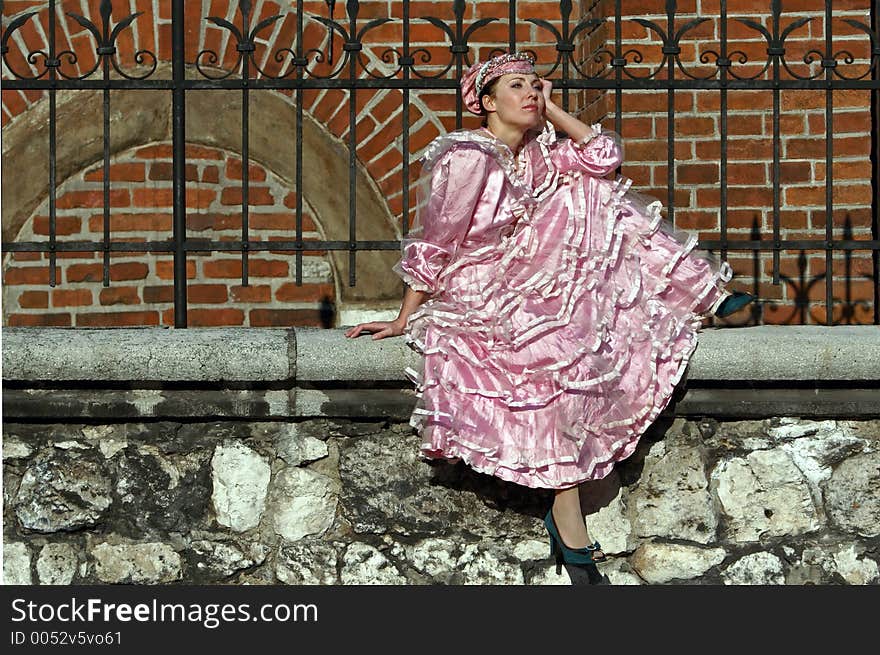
<point x="381" y="329"/>
<point x="561" y="119"/>
<point x="589" y="148"/>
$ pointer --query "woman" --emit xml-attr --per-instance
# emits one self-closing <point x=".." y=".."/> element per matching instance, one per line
<point x="555" y="309"/>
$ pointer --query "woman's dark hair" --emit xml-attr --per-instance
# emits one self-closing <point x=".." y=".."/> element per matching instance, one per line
<point x="489" y="89"/>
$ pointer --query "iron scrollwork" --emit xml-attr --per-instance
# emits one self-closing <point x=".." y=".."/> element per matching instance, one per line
<point x="105" y="37"/>
<point x="458" y="39"/>
<point x="352" y="42"/>
<point x="245" y="45"/>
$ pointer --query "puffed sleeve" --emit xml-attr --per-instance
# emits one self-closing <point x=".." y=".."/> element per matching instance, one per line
<point x="453" y="189"/>
<point x="598" y="153"/>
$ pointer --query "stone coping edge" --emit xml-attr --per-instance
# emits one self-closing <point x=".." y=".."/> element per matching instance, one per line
<point x="285" y="357"/>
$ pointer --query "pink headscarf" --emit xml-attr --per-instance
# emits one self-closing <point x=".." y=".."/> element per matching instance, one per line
<point x="478" y="76"/>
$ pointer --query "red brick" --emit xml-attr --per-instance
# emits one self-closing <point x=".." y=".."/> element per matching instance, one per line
<point x="329" y="104"/>
<point x="651" y="151"/>
<point x="75" y="255"/>
<point x="231" y="268"/>
<point x="24" y="256"/>
<point x="234" y="171"/>
<point x="85" y="273"/>
<point x="120" y="296"/>
<point x="164" y="170"/>
<point x="33" y="300"/>
<point x="793" y="219"/>
<point x="746" y="174"/>
<point x="744" y="124"/>
<point x="848" y="194"/>
<point x="153" y="197"/>
<point x="14" y="102"/>
<point x="697" y="220"/>
<point x="691" y="126"/>
<point x="71" y="297"/>
<point x="213" y="221"/>
<point x="129" y="271"/>
<point x="146" y="222"/>
<point x="73" y="199"/>
<point x="844" y="170"/>
<point x="258" y="293"/>
<point x="64" y="225"/>
<point x="165" y="269"/>
<point x="118" y="319"/>
<point x="206" y="293"/>
<point x="290" y="292"/>
<point x="364" y="128"/>
<point x="257" y="195"/>
<point x="745" y="149"/>
<point x="211" y="174"/>
<point x="285" y="317"/>
<point x="29" y="275"/>
<point x="159" y="294"/>
<point x="422" y="137"/>
<point x="856" y="218"/>
<point x="697" y="174"/>
<point x="160" y="151"/>
<point x="795" y="171"/>
<point x="124" y="172"/>
<point x="214" y="317"/>
<point x="39" y="320"/>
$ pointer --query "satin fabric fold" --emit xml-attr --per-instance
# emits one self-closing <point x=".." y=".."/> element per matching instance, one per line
<point x="564" y="307"/>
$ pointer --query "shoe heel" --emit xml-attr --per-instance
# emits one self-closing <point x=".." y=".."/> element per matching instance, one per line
<point x="556" y="549"/>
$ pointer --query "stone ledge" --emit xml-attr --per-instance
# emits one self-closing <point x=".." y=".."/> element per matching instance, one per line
<point x="47" y="405"/>
<point x="213" y="356"/>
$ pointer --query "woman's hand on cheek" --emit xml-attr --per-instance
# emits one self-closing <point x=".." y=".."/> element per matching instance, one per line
<point x="547" y="90"/>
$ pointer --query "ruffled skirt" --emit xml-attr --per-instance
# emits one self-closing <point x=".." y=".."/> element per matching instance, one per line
<point x="547" y="355"/>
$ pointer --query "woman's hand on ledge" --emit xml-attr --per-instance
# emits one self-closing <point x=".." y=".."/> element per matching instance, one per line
<point x="379" y="329"/>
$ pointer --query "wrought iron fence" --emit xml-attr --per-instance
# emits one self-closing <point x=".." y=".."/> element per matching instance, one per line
<point x="610" y="68"/>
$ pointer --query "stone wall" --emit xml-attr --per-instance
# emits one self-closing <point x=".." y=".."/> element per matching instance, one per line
<point x="776" y="501"/>
<point x="224" y="455"/>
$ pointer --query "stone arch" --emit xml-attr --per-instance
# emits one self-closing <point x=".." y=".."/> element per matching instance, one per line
<point x="144" y="116"/>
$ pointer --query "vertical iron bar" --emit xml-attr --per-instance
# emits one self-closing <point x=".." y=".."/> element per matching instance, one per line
<point x="299" y="141"/>
<point x="511" y="26"/>
<point x="459" y="66"/>
<point x="875" y="136"/>
<point x="618" y="69"/>
<point x="723" y="129"/>
<point x="670" y="123"/>
<point x="405" y="118"/>
<point x="829" y="175"/>
<point x="52" y="148"/>
<point x="105" y="61"/>
<point x="352" y="160"/>
<point x="565" y="61"/>
<point x="245" y="164"/>
<point x="178" y="127"/>
<point x="776" y="142"/>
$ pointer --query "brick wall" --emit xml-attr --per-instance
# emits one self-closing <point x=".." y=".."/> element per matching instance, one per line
<point x="802" y="129"/>
<point x="379" y="122"/>
<point x="141" y="285"/>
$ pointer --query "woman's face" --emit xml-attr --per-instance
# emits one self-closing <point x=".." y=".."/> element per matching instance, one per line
<point x="517" y="100"/>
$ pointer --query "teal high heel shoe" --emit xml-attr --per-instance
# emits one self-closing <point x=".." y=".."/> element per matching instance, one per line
<point x="733" y="303"/>
<point x="576" y="556"/>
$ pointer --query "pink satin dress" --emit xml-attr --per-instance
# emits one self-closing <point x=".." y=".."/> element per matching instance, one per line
<point x="563" y="308"/>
